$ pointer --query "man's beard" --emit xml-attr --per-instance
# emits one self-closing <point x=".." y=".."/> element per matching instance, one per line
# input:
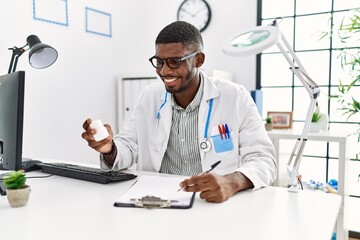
<point x="185" y="84"/>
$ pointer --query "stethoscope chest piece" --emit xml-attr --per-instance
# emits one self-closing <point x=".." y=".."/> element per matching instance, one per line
<point x="205" y="145"/>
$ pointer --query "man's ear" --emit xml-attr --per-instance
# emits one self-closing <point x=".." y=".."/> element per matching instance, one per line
<point x="200" y="59"/>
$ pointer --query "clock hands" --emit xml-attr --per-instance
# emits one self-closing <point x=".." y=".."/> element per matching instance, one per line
<point x="189" y="13"/>
<point x="198" y="12"/>
<point x="192" y="14"/>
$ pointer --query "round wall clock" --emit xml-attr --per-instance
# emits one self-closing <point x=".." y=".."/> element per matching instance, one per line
<point x="196" y="12"/>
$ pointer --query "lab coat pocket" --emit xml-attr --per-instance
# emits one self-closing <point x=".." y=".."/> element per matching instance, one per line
<point x="222" y="145"/>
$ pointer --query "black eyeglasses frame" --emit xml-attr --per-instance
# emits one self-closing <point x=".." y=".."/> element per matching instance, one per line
<point x="176" y="62"/>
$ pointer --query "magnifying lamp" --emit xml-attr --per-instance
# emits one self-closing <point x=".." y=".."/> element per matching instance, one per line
<point x="256" y="40"/>
<point x="40" y="56"/>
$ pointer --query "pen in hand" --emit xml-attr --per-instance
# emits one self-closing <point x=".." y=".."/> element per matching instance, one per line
<point x="212" y="167"/>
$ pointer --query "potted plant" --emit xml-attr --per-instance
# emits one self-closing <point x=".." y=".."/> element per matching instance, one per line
<point x="268" y="123"/>
<point x="17" y="191"/>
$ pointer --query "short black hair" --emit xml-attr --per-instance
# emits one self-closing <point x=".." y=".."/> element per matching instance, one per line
<point x="181" y="32"/>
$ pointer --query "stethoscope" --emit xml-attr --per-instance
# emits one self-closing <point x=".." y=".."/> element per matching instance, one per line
<point x="205" y="144"/>
<point x="157" y="124"/>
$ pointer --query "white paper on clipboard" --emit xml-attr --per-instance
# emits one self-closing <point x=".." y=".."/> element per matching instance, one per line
<point x="165" y="188"/>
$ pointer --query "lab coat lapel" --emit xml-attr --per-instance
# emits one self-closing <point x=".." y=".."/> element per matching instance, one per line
<point x="210" y="92"/>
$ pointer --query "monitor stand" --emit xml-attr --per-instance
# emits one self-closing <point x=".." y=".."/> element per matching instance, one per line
<point x="27" y="164"/>
<point x="2" y="189"/>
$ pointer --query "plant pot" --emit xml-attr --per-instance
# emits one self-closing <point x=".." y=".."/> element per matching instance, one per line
<point x="268" y="126"/>
<point x="18" y="197"/>
<point x="321" y="125"/>
<point x="315" y="127"/>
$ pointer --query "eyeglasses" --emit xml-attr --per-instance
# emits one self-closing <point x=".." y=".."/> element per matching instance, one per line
<point x="172" y="63"/>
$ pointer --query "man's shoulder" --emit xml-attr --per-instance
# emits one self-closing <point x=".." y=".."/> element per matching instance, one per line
<point x="152" y="88"/>
<point x="226" y="85"/>
<point x="153" y="91"/>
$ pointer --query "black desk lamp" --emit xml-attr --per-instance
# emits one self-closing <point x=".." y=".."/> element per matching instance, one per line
<point x="40" y="55"/>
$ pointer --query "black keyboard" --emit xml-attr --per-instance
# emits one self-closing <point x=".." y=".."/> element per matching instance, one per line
<point x="85" y="173"/>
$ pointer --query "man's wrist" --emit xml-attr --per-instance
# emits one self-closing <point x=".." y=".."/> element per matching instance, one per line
<point x="109" y="158"/>
<point x="241" y="182"/>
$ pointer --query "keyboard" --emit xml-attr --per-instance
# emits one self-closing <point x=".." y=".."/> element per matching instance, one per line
<point x="85" y="173"/>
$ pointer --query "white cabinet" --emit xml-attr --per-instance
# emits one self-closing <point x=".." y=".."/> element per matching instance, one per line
<point x="128" y="91"/>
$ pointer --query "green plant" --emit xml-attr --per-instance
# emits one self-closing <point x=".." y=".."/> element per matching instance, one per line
<point x="268" y="119"/>
<point x="15" y="180"/>
<point x="350" y="57"/>
<point x="347" y="96"/>
<point x="316" y="117"/>
<point x="349" y="31"/>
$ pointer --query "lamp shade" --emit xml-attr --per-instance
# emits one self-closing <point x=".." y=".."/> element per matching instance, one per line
<point x="251" y="41"/>
<point x="41" y="55"/>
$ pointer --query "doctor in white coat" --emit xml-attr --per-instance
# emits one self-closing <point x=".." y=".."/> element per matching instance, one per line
<point x="189" y="121"/>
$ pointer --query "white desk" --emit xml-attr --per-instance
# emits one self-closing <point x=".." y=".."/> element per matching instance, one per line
<point x="342" y="139"/>
<point x="64" y="208"/>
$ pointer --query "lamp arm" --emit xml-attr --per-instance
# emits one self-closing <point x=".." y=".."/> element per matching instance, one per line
<point x="16" y="53"/>
<point x="294" y="162"/>
<point x="297" y="68"/>
<point x="313" y="90"/>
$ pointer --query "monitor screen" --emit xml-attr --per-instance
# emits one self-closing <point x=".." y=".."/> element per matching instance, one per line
<point x="11" y="120"/>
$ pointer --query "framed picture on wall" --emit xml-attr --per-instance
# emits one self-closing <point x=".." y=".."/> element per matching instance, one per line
<point x="281" y="120"/>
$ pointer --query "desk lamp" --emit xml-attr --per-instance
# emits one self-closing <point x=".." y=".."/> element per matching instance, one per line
<point x="40" y="55"/>
<point x="255" y="41"/>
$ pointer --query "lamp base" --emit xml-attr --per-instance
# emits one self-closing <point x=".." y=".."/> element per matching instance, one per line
<point x="293" y="188"/>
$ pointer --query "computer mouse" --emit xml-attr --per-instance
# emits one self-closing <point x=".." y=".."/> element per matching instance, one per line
<point x="31" y="165"/>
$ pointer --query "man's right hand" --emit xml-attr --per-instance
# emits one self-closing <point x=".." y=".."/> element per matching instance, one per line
<point x="103" y="146"/>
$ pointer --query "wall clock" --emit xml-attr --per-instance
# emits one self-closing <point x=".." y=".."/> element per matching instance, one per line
<point x="196" y="12"/>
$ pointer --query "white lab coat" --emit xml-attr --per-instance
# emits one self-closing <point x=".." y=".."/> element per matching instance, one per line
<point x="252" y="153"/>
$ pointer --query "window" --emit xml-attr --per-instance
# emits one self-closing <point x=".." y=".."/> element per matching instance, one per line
<point x="303" y="22"/>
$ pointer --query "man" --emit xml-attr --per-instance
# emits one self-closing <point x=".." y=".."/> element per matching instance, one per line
<point x="191" y="123"/>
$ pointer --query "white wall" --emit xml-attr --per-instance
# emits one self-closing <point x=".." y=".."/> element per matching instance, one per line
<point x="82" y="84"/>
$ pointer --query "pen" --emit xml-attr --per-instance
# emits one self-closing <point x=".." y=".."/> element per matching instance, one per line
<point x="211" y="168"/>
<point x="224" y="130"/>
<point x="227" y="130"/>
<point x="220" y="131"/>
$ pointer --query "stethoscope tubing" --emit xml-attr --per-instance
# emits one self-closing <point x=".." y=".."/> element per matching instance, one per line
<point x="158" y="116"/>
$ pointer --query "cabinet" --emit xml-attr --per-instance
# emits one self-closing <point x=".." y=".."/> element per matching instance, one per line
<point x="128" y="92"/>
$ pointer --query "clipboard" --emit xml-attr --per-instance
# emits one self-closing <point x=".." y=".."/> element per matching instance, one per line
<point x="156" y="192"/>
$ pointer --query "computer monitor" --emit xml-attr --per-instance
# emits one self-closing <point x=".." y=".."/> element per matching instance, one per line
<point x="12" y="91"/>
<point x="12" y="88"/>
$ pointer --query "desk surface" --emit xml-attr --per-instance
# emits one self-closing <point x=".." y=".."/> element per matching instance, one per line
<point x="64" y="208"/>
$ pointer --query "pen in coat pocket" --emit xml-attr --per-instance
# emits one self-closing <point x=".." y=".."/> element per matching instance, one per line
<point x="227" y="130"/>
<point x="211" y="168"/>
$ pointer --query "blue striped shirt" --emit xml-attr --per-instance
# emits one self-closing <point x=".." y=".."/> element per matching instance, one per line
<point x="182" y="156"/>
